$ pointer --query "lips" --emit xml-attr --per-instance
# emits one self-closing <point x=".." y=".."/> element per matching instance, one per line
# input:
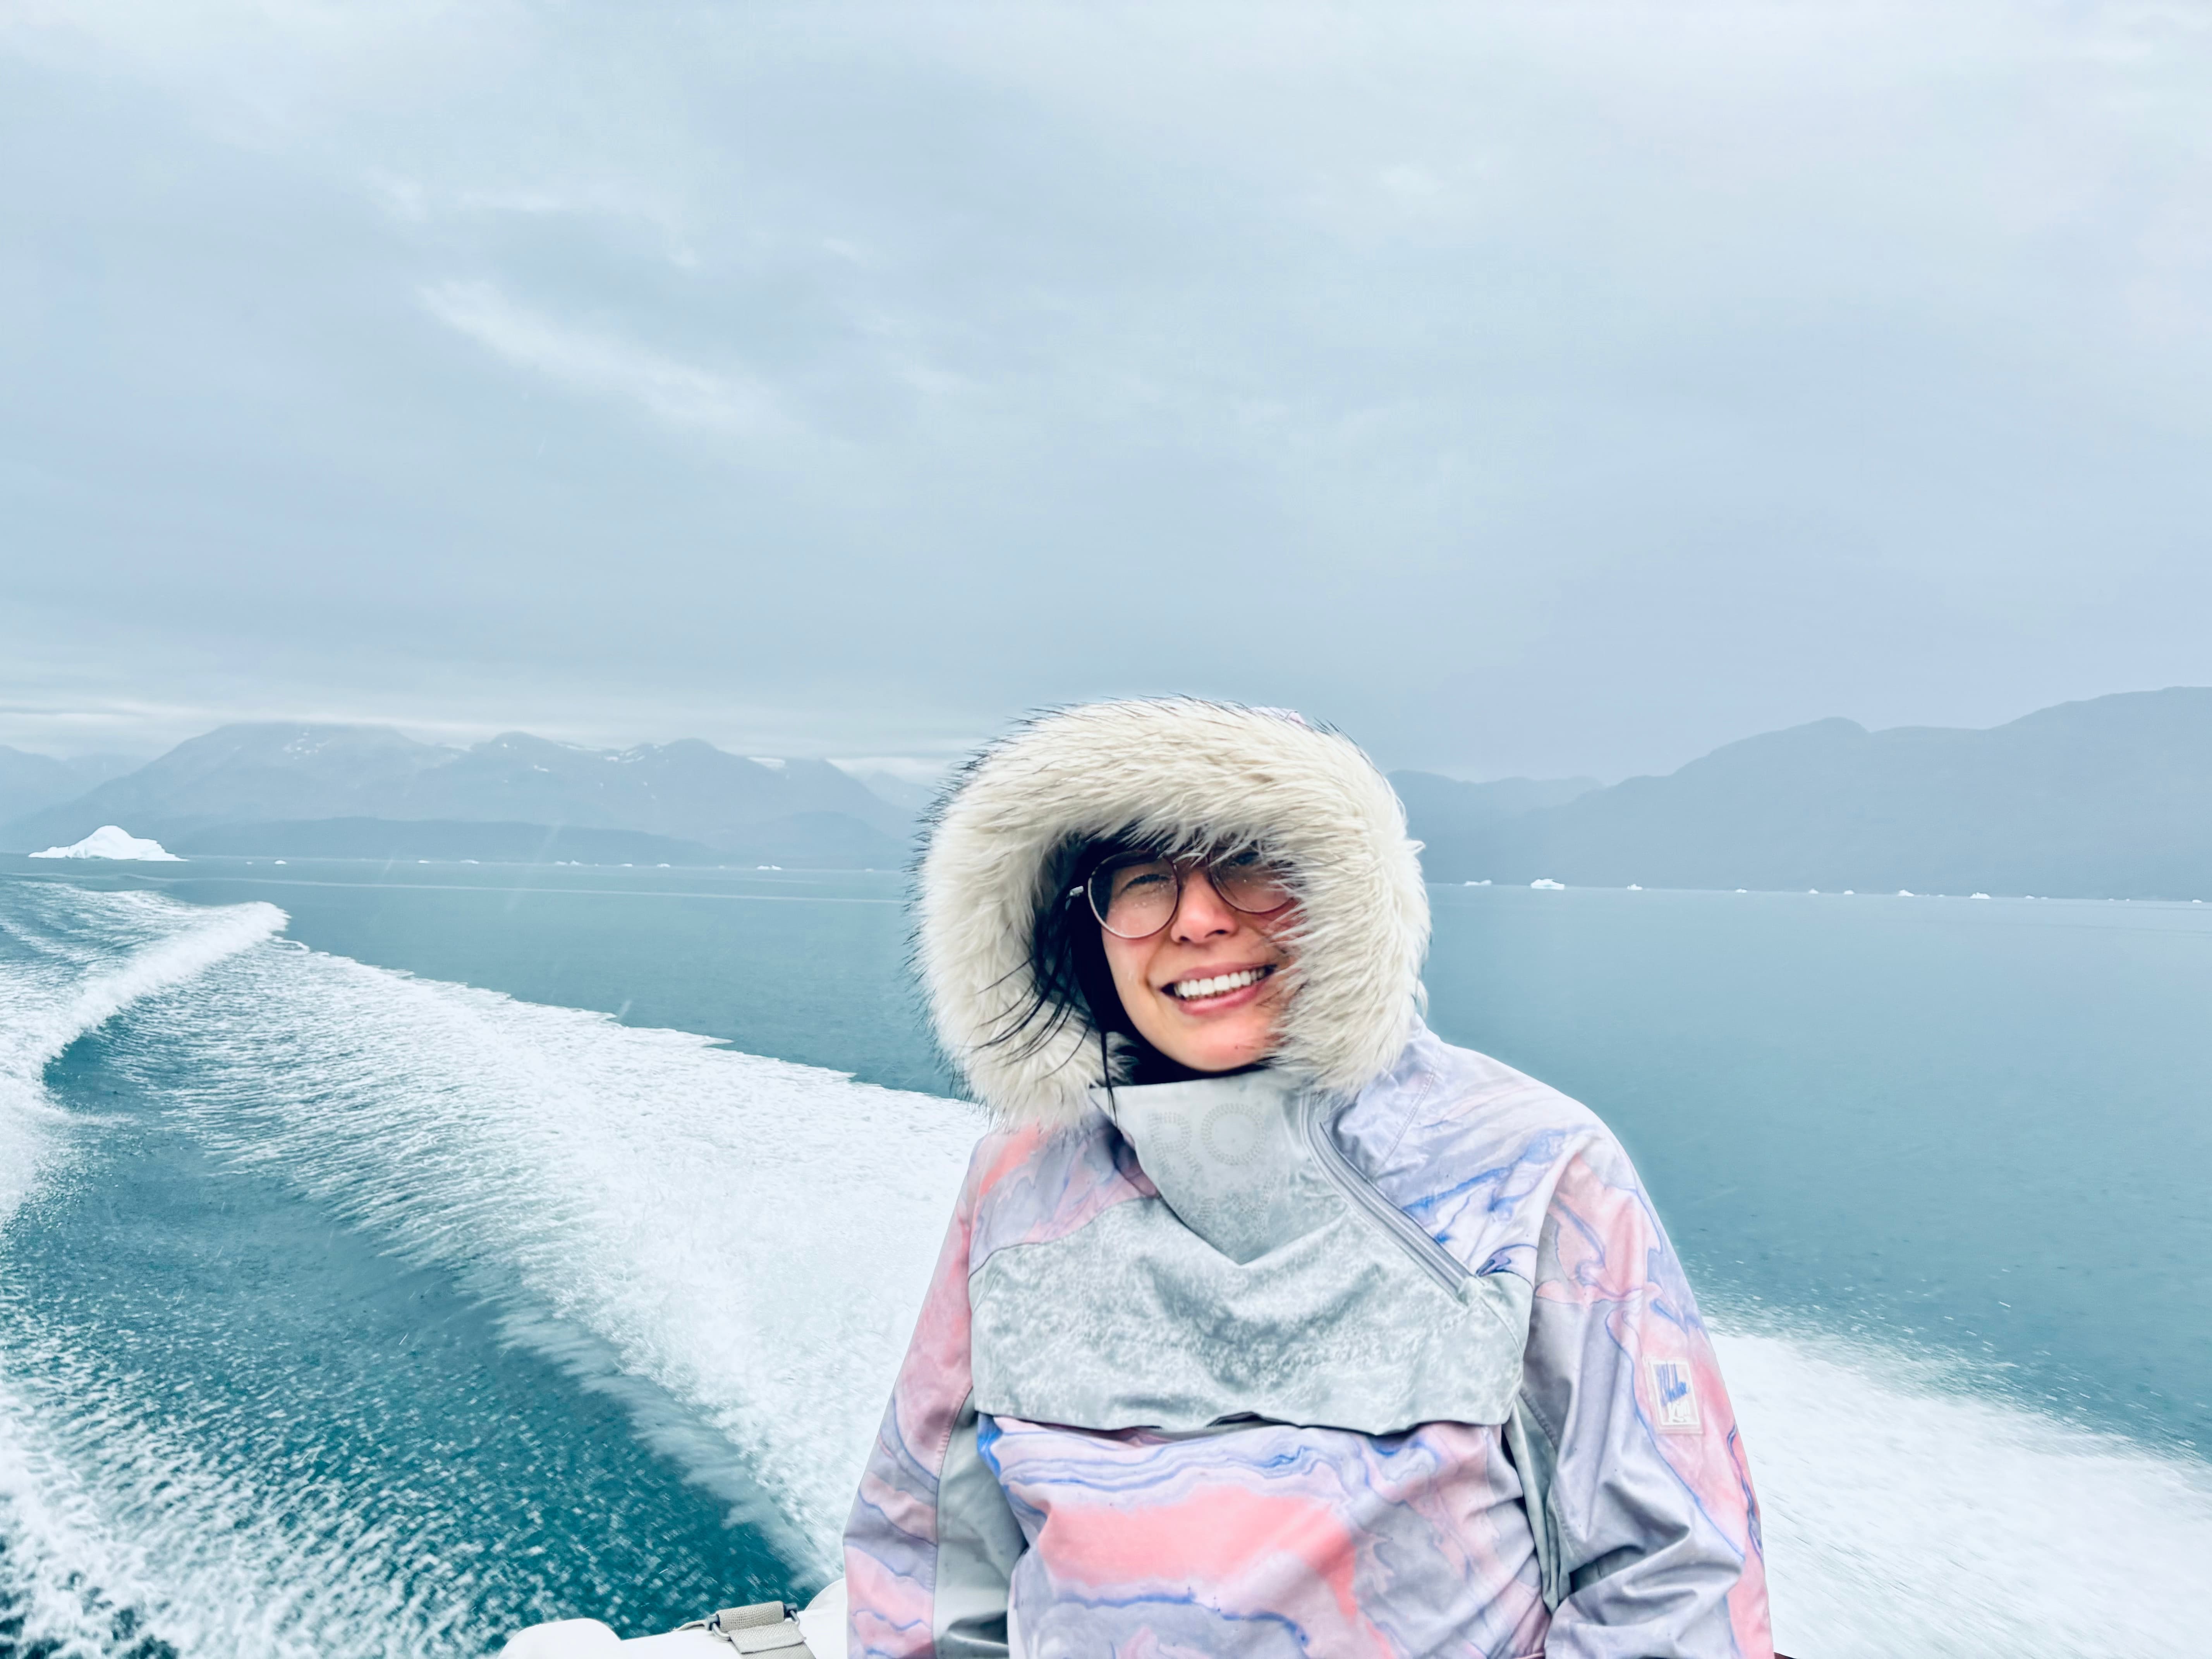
<point x="1202" y="988"/>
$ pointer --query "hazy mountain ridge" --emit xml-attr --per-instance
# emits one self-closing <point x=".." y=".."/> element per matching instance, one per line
<point x="1433" y="799"/>
<point x="269" y="783"/>
<point x="2109" y="798"/>
<point x="30" y="781"/>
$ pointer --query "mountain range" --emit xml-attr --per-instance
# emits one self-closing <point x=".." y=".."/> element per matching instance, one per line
<point x="337" y="790"/>
<point x="2105" y="798"/>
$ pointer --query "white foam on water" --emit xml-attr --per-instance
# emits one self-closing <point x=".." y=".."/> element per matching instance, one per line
<point x="1905" y="1515"/>
<point x="751" y="1238"/>
<point x="118" y="1528"/>
<point x="78" y="1567"/>
<point x="75" y="960"/>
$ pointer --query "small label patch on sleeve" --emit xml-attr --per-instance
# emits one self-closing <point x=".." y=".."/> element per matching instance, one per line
<point x="1673" y="1396"/>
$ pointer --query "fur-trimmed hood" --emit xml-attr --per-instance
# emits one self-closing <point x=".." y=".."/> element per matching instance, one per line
<point x="1185" y="774"/>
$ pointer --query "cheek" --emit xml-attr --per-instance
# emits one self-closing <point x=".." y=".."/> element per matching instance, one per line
<point x="1127" y="959"/>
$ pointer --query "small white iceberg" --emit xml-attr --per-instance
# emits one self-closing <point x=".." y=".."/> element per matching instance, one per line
<point x="1981" y="896"/>
<point x="1634" y="887"/>
<point x="1548" y="884"/>
<point x="1905" y="892"/>
<point x="1478" y="884"/>
<point x="110" y="842"/>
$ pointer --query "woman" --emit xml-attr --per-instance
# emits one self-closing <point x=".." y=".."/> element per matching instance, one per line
<point x="1267" y="1322"/>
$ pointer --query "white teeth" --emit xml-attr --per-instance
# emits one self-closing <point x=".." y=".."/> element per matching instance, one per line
<point x="1190" y="989"/>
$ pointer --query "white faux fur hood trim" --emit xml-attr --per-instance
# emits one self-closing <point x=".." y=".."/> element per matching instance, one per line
<point x="1189" y="773"/>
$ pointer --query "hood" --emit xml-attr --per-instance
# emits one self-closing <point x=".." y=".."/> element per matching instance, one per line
<point x="1185" y="774"/>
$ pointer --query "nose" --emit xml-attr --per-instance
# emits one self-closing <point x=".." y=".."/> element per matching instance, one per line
<point x="1202" y="913"/>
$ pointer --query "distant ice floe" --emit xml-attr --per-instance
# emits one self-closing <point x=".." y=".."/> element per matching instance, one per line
<point x="1981" y="896"/>
<point x="1548" y="884"/>
<point x="109" y="841"/>
<point x="1479" y="883"/>
<point x="1905" y="892"/>
<point x="1634" y="887"/>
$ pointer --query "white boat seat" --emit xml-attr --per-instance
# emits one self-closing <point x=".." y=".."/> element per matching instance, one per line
<point x="773" y="1628"/>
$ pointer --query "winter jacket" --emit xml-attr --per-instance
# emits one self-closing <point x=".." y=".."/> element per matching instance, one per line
<point x="1429" y="1381"/>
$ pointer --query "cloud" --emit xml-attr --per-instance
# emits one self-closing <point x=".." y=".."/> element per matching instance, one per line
<point x="679" y="394"/>
<point x="1558" y="388"/>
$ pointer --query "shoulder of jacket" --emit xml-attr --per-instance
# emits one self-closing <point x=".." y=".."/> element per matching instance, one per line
<point x="1480" y="1125"/>
<point x="1028" y="1184"/>
<point x="1481" y="1093"/>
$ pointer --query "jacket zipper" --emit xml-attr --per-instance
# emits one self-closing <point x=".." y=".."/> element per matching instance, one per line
<point x="1437" y="1261"/>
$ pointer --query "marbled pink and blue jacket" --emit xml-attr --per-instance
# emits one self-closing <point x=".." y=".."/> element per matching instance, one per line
<point x="1259" y="1535"/>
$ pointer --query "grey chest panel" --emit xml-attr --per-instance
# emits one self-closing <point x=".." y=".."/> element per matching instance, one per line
<point x="1134" y="1321"/>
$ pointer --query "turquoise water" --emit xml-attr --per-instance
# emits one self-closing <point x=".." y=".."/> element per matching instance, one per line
<point x="411" y="1252"/>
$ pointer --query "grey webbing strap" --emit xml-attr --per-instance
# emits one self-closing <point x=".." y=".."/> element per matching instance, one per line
<point x="761" y="1627"/>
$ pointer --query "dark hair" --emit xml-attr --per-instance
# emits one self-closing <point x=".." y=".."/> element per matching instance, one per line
<point x="1069" y="978"/>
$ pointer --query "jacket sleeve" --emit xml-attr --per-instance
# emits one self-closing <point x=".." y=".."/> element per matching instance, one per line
<point x="1649" y="1498"/>
<point x="931" y="1543"/>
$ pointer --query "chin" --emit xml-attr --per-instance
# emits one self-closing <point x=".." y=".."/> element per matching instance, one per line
<point x="1224" y="1051"/>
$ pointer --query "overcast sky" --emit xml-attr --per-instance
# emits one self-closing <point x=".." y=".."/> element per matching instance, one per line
<point x="1525" y="389"/>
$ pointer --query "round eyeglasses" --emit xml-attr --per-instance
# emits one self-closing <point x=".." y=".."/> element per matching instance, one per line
<point x="1135" y="897"/>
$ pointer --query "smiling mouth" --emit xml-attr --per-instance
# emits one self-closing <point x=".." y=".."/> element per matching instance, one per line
<point x="1218" y="985"/>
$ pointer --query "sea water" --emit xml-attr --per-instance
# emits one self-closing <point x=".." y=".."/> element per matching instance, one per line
<point x="390" y="1255"/>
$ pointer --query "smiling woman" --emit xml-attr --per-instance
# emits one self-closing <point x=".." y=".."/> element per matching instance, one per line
<point x="1268" y="1323"/>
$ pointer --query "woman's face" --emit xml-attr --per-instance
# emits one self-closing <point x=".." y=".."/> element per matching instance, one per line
<point x="1170" y="981"/>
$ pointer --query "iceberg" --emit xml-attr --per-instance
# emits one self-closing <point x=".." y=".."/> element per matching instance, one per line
<point x="110" y="842"/>
<point x="1546" y="882"/>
